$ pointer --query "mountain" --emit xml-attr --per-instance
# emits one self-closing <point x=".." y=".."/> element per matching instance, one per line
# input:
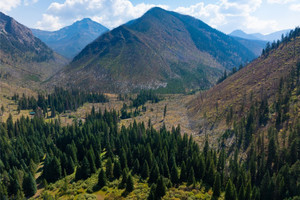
<point x="70" y="40"/>
<point x="162" y="49"/>
<point x="258" y="36"/>
<point x="265" y="79"/>
<point x="274" y="36"/>
<point x="242" y="34"/>
<point x="24" y="58"/>
<point x="255" y="46"/>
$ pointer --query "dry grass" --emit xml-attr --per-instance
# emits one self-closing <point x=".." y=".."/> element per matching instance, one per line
<point x="260" y="78"/>
<point x="10" y="106"/>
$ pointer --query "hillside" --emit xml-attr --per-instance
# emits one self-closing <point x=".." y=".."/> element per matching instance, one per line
<point x="215" y="110"/>
<point x="162" y="49"/>
<point x="24" y="59"/>
<point x="70" y="40"/>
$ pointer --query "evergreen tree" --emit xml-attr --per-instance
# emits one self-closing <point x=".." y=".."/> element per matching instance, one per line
<point x="183" y="173"/>
<point x="109" y="169"/>
<point x="160" y="190"/>
<point x="241" y="195"/>
<point x="174" y="175"/>
<point x="217" y="186"/>
<point x="84" y="170"/>
<point x="101" y="179"/>
<point x="129" y="184"/>
<point x="154" y="174"/>
<point x="152" y="192"/>
<point x="136" y="166"/>
<point x="145" y="170"/>
<point x="29" y="185"/>
<point x="117" y="170"/>
<point x="124" y="179"/>
<point x="230" y="192"/>
<point x="191" y="178"/>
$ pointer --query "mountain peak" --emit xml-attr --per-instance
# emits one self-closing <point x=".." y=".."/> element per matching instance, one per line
<point x="159" y="49"/>
<point x="156" y="11"/>
<point x="70" y="40"/>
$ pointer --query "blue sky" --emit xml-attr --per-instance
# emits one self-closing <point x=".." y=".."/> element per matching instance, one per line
<point x="251" y="16"/>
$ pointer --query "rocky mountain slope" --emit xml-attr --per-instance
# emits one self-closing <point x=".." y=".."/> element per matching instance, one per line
<point x="24" y="58"/>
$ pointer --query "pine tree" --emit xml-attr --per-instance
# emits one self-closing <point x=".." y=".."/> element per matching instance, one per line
<point x="145" y="170"/>
<point x="217" y="186"/>
<point x="84" y="170"/>
<point x="109" y="169"/>
<point x="29" y="185"/>
<point x="241" y="195"/>
<point x="136" y="166"/>
<point x="124" y="179"/>
<point x="152" y="192"/>
<point x="101" y="179"/>
<point x="174" y="175"/>
<point x="230" y="192"/>
<point x="191" y="178"/>
<point x="160" y="190"/>
<point x="129" y="184"/>
<point x="154" y="174"/>
<point x="183" y="173"/>
<point x="117" y="170"/>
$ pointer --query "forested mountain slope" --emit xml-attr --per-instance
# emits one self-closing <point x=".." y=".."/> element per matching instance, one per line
<point x="160" y="49"/>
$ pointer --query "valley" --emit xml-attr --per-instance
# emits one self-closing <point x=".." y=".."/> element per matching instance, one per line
<point x="161" y="107"/>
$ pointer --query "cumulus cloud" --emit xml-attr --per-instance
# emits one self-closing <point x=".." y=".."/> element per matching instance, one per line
<point x="49" y="22"/>
<point x="110" y="13"/>
<point x="7" y="5"/>
<point x="295" y="7"/>
<point x="226" y="14"/>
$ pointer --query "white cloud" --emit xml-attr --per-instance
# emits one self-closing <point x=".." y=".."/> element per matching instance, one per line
<point x="231" y="14"/>
<point x="209" y="12"/>
<point x="254" y="23"/>
<point x="110" y="13"/>
<point x="280" y="1"/>
<point x="49" y="22"/>
<point x="295" y="7"/>
<point x="29" y="2"/>
<point x="7" y="5"/>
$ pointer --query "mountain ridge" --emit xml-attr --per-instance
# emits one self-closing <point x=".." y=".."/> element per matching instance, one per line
<point x="258" y="36"/>
<point x="70" y="40"/>
<point x="150" y="52"/>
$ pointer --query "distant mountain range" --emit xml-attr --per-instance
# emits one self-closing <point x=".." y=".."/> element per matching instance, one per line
<point x="24" y="59"/>
<point x="162" y="49"/>
<point x="258" y="36"/>
<point x="70" y="40"/>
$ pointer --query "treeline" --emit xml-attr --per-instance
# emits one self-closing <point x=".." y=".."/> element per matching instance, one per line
<point x="284" y="39"/>
<point x="144" y="96"/>
<point x="60" y="100"/>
